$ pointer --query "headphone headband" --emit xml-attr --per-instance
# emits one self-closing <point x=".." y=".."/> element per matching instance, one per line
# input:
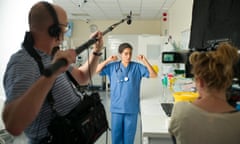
<point x="54" y="30"/>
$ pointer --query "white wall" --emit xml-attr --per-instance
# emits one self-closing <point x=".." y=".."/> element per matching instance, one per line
<point x="81" y="30"/>
<point x="14" y="23"/>
<point x="180" y="17"/>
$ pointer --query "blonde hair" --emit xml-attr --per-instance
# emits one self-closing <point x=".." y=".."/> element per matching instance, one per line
<point x="215" y="67"/>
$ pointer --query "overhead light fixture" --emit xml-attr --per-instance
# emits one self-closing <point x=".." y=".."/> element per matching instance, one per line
<point x="80" y="14"/>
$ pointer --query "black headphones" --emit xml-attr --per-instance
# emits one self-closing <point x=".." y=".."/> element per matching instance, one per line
<point x="54" y="30"/>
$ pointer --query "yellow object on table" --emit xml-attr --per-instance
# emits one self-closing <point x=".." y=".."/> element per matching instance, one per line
<point x="185" y="96"/>
<point x="155" y="67"/>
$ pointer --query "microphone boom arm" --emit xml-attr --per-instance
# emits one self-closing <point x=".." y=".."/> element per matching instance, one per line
<point x="52" y="68"/>
<point x="94" y="39"/>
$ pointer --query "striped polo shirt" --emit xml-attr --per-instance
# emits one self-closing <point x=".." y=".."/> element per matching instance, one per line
<point x="21" y="72"/>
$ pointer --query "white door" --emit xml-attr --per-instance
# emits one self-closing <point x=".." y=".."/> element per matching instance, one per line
<point x="151" y="46"/>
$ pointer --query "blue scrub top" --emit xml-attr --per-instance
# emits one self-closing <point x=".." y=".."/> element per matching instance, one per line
<point x="125" y="85"/>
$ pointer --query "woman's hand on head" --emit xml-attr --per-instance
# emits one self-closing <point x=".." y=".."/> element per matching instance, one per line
<point x="112" y="58"/>
<point x="141" y="57"/>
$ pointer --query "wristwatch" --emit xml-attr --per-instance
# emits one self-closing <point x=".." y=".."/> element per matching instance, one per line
<point x="97" y="53"/>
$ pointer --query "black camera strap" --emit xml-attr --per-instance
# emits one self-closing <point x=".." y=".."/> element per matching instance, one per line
<point x="33" y="53"/>
<point x="28" y="45"/>
<point x="71" y="78"/>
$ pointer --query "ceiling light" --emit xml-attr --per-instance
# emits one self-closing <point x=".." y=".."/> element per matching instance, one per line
<point x="80" y="14"/>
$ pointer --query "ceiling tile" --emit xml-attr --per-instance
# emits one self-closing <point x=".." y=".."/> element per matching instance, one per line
<point x="114" y="9"/>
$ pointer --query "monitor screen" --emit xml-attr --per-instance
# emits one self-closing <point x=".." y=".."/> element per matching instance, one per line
<point x="168" y="57"/>
<point x="173" y="57"/>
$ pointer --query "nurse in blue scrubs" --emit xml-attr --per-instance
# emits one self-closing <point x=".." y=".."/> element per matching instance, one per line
<point x="125" y="80"/>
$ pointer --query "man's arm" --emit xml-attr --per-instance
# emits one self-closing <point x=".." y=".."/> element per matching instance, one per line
<point x="84" y="72"/>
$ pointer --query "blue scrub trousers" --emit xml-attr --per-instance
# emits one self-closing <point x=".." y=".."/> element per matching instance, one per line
<point x="123" y="128"/>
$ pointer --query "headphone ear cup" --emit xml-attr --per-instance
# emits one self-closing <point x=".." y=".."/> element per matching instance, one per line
<point x="54" y="31"/>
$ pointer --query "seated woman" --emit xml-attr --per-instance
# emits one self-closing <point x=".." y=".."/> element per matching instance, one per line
<point x="210" y="119"/>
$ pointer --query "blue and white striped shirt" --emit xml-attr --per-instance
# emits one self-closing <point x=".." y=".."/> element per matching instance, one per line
<point x="21" y="72"/>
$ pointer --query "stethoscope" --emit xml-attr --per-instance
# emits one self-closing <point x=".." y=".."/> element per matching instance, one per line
<point x="126" y="78"/>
